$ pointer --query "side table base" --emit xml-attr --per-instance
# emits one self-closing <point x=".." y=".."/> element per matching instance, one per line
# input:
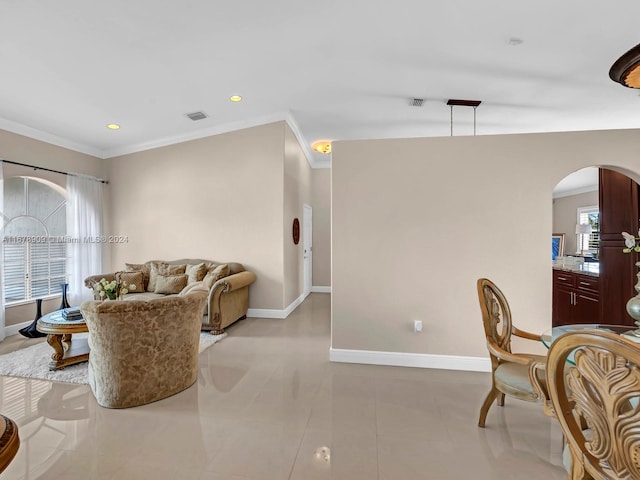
<point x="66" y="352"/>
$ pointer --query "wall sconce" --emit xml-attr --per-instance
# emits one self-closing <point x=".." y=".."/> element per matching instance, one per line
<point x="323" y="146"/>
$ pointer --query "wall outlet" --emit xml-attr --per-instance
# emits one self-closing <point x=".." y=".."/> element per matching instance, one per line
<point x="417" y="325"/>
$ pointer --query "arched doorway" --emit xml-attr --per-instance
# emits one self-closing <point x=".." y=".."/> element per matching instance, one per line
<point x="585" y="292"/>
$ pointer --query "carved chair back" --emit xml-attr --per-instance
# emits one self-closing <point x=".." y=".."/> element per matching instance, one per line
<point x="602" y="392"/>
<point x="496" y="315"/>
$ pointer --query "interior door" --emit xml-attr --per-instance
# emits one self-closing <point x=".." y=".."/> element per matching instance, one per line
<point x="307" y="243"/>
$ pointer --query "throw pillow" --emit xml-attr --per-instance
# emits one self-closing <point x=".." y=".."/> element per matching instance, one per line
<point x="132" y="278"/>
<point x="162" y="268"/>
<point x="168" y="284"/>
<point x="191" y="287"/>
<point x="139" y="267"/>
<point x="215" y="274"/>
<point x="196" y="272"/>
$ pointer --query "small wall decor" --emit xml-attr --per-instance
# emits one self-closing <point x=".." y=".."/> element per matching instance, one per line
<point x="557" y="245"/>
<point x="296" y="231"/>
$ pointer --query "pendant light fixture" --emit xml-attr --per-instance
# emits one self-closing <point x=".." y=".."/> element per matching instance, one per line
<point x="464" y="103"/>
<point x="626" y="70"/>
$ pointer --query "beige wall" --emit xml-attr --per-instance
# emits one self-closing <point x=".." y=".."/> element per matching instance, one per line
<point x="565" y="216"/>
<point x="18" y="148"/>
<point x="297" y="192"/>
<point x="321" y="194"/>
<point x="219" y="198"/>
<point x="411" y="235"/>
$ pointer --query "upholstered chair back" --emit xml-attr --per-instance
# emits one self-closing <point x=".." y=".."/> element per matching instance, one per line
<point x="143" y="351"/>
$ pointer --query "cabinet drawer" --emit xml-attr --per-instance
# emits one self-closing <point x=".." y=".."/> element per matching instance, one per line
<point x="589" y="284"/>
<point x="564" y="278"/>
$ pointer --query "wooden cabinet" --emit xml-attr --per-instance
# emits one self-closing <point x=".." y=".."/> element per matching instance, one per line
<point x="576" y="298"/>
<point x="619" y="211"/>
<point x="618" y="198"/>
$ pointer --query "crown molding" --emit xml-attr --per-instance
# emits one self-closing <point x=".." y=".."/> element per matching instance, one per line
<point x="287" y="117"/>
<point x="195" y="135"/>
<point x="34" y="133"/>
<point x="311" y="156"/>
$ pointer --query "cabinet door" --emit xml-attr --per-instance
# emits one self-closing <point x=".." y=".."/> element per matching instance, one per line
<point x="618" y="212"/>
<point x="562" y="306"/>
<point x="617" y="278"/>
<point x="586" y="308"/>
<point x="618" y="197"/>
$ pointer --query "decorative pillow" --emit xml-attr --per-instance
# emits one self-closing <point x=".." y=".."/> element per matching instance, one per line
<point x="215" y="274"/>
<point x="162" y="268"/>
<point x="139" y="267"/>
<point x="132" y="278"/>
<point x="196" y="272"/>
<point x="192" y="287"/>
<point x="168" y="284"/>
<point x="155" y="269"/>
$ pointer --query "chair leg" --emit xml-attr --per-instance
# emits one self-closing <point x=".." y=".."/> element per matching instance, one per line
<point x="501" y="400"/>
<point x="493" y="394"/>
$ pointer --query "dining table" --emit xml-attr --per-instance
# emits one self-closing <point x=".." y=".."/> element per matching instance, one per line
<point x="549" y="336"/>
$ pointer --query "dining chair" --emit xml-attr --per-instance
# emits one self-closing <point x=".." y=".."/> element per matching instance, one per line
<point x="519" y="375"/>
<point x="596" y="399"/>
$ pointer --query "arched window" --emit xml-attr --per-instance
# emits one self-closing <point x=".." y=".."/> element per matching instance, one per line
<point x="35" y="252"/>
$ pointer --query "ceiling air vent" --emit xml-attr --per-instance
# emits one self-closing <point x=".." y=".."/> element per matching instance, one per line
<point x="416" y="102"/>
<point x="196" y="115"/>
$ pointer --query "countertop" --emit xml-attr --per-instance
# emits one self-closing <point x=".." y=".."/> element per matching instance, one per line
<point x="587" y="268"/>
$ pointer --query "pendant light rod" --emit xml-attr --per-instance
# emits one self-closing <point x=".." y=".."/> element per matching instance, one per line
<point x="464" y="103"/>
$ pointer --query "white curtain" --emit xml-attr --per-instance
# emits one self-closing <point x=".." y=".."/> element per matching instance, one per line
<point x="84" y="227"/>
<point x="2" y="219"/>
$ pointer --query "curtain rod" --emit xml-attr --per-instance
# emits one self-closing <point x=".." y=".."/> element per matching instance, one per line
<point x="35" y="167"/>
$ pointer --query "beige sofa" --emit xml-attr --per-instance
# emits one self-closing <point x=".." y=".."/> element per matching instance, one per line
<point x="143" y="351"/>
<point x="228" y="287"/>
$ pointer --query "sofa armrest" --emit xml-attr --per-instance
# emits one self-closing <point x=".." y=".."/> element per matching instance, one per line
<point x="235" y="281"/>
<point x="227" y="284"/>
<point x="91" y="280"/>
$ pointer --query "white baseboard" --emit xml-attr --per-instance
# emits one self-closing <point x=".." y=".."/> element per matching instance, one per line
<point x="269" y="313"/>
<point x="320" y="289"/>
<point x="15" y="329"/>
<point x="421" y="360"/>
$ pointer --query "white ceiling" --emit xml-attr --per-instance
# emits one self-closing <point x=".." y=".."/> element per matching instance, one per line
<point x="334" y="69"/>
<point x="580" y="181"/>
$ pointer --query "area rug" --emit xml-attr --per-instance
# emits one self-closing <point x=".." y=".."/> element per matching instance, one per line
<point x="33" y="362"/>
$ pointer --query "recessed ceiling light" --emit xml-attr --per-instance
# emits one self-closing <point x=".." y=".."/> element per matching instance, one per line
<point x="113" y="126"/>
<point x="323" y="146"/>
<point x="235" y="98"/>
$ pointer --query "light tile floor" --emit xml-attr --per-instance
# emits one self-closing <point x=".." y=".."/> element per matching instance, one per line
<point x="269" y="405"/>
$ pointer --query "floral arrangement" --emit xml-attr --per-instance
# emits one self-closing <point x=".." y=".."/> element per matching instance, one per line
<point x="632" y="243"/>
<point x="112" y="289"/>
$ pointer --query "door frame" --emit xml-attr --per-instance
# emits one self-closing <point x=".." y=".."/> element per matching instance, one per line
<point x="307" y="252"/>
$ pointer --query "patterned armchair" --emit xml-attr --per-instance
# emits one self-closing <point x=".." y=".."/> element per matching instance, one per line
<point x="143" y="351"/>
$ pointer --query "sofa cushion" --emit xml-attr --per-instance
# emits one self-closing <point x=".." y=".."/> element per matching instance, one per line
<point x="162" y="268"/>
<point x="168" y="284"/>
<point x="144" y="296"/>
<point x="139" y="267"/>
<point x="195" y="272"/>
<point x="215" y="274"/>
<point x="135" y="279"/>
